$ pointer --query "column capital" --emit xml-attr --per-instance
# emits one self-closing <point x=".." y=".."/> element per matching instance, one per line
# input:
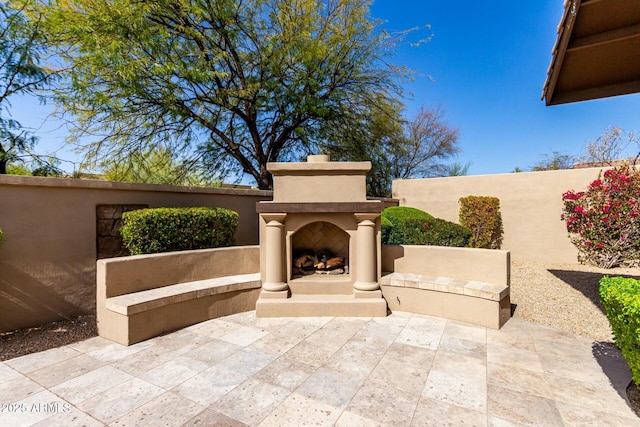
<point x="361" y="217"/>
<point x="278" y="217"/>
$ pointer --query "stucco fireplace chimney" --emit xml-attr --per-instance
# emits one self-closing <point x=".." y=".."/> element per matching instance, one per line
<point x="320" y="212"/>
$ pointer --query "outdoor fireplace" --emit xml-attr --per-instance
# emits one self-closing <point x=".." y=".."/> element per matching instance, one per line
<point x="320" y="242"/>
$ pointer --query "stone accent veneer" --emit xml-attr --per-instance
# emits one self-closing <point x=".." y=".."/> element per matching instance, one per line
<point x="108" y="223"/>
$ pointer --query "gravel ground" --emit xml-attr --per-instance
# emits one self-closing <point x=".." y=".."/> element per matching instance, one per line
<point x="564" y="296"/>
<point x="30" y="340"/>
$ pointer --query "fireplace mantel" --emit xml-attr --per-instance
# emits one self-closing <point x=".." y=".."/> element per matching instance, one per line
<point x="336" y="207"/>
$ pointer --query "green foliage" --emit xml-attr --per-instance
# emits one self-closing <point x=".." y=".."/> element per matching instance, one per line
<point x="18" y="169"/>
<point x="457" y="169"/>
<point x="158" y="165"/>
<point x="397" y="214"/>
<point x="481" y="215"/>
<point x="234" y="84"/>
<point x="156" y="230"/>
<point x="1" y="236"/>
<point x="41" y="166"/>
<point x="621" y="301"/>
<point x="386" y="227"/>
<point x="46" y="167"/>
<point x="410" y="226"/>
<point x="604" y="221"/>
<point x="554" y="161"/>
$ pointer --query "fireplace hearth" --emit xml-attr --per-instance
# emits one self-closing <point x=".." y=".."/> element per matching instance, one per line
<point x="320" y="250"/>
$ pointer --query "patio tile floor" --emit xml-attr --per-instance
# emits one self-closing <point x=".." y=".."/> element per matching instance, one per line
<point x="402" y="370"/>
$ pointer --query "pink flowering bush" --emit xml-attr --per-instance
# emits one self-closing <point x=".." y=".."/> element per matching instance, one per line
<point x="604" y="221"/>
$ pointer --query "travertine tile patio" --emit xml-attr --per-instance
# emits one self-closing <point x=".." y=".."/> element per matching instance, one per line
<point x="402" y="370"/>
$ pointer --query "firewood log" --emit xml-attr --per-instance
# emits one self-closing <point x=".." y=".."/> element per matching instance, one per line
<point x="302" y="261"/>
<point x="335" y="262"/>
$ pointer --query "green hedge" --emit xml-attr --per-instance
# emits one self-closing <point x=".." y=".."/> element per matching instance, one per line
<point x="621" y="301"/>
<point x="404" y="213"/>
<point x="386" y="226"/>
<point x="409" y="226"/>
<point x="481" y="215"/>
<point x="147" y="231"/>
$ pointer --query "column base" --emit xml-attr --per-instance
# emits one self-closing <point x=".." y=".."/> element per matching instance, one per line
<point x="274" y="286"/>
<point x="367" y="294"/>
<point x="274" y="295"/>
<point x="366" y="286"/>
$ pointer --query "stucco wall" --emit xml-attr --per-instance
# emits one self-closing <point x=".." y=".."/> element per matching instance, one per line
<point x="530" y="203"/>
<point x="48" y="257"/>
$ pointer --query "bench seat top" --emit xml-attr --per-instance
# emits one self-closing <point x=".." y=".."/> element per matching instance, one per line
<point x="138" y="302"/>
<point x="471" y="288"/>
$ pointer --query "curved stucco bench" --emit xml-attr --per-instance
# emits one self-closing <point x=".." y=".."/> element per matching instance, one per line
<point x="468" y="285"/>
<point x="143" y="296"/>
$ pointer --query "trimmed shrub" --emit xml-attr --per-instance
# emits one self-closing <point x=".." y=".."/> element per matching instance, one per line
<point x="481" y="215"/>
<point x="435" y="232"/>
<point x="404" y="213"/>
<point x="604" y="221"/>
<point x="147" y="231"/>
<point x="410" y="226"/>
<point x="620" y="298"/>
<point x="393" y="223"/>
<point x="386" y="227"/>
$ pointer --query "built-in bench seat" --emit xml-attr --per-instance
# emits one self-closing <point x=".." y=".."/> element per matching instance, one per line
<point x="143" y="296"/>
<point x="464" y="284"/>
<point x="137" y="302"/>
<point x="476" y="302"/>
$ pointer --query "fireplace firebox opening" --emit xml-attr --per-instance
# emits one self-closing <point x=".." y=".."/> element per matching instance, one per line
<point x="319" y="248"/>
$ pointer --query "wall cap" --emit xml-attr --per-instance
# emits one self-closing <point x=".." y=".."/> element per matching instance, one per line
<point x="77" y="183"/>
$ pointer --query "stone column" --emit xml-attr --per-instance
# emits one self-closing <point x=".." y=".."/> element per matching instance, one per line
<point x="366" y="269"/>
<point x="275" y="280"/>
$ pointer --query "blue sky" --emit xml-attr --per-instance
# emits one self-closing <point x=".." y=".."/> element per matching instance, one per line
<point x="488" y="61"/>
